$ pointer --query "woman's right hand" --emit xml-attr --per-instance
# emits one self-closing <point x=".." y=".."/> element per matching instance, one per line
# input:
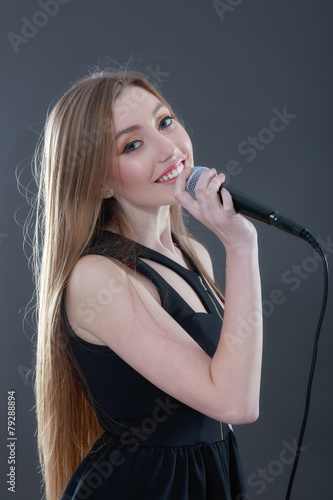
<point x="231" y="228"/>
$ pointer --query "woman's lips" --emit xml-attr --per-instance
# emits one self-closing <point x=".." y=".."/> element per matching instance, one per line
<point x="173" y="171"/>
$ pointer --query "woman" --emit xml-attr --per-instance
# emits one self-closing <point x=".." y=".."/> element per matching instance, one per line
<point x="137" y="375"/>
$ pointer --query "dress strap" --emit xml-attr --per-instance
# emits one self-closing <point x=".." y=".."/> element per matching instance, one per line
<point x="103" y="245"/>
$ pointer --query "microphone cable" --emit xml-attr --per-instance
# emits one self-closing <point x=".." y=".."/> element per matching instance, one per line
<point x="251" y="208"/>
<point x="314" y="243"/>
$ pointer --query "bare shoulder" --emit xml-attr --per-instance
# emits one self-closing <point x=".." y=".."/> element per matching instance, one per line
<point x="98" y="285"/>
<point x="102" y="274"/>
<point x="203" y="256"/>
<point x="93" y="284"/>
<point x="94" y="270"/>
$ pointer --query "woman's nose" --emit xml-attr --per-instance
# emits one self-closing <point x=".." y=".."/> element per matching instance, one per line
<point x="165" y="148"/>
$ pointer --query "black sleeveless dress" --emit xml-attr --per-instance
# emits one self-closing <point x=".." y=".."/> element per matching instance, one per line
<point x="154" y="447"/>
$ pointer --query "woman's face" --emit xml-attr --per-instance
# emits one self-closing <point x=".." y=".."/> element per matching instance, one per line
<point x="151" y="147"/>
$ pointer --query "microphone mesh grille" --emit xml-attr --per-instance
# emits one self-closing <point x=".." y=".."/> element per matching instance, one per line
<point x="193" y="179"/>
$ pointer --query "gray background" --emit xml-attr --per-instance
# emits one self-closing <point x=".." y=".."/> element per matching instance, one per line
<point x="224" y="74"/>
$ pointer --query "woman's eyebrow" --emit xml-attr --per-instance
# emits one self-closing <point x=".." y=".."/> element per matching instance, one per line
<point x="132" y="128"/>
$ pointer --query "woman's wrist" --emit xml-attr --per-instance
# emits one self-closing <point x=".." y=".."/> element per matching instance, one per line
<point x="241" y="248"/>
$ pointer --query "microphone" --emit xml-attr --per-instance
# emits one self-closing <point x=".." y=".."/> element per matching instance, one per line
<point x="249" y="207"/>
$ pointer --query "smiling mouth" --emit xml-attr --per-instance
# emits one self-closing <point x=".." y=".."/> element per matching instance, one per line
<point x="172" y="174"/>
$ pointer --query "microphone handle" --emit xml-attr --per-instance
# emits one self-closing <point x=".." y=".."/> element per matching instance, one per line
<point x="249" y="207"/>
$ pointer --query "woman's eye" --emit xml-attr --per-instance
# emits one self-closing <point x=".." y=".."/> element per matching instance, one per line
<point x="165" y="121"/>
<point x="131" y="146"/>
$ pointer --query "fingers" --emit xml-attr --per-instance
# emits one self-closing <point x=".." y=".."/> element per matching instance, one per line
<point x="207" y="192"/>
<point x="206" y="189"/>
<point x="227" y="201"/>
<point x="208" y="186"/>
<point x="233" y="229"/>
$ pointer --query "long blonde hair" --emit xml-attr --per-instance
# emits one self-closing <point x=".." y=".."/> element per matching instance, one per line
<point x="71" y="165"/>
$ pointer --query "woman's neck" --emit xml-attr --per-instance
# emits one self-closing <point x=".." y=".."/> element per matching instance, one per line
<point x="150" y="228"/>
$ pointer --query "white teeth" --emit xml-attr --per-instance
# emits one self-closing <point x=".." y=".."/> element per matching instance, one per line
<point x="172" y="174"/>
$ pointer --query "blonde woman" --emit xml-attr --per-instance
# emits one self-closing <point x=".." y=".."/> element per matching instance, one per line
<point x="142" y="364"/>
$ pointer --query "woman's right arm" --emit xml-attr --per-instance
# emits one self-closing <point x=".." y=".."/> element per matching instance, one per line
<point x="104" y="304"/>
<point x="134" y="325"/>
